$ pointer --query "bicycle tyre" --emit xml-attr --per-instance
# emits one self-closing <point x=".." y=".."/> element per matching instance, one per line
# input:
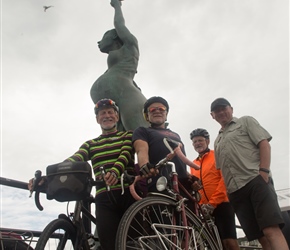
<point x="155" y="223"/>
<point x="58" y="234"/>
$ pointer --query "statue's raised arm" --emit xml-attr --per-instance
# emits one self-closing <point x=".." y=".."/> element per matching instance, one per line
<point x="119" y="23"/>
<point x="117" y="82"/>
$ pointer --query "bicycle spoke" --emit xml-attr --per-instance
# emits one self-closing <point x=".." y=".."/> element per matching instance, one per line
<point x="154" y="223"/>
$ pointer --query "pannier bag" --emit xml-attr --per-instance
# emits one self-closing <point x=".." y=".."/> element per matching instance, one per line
<point x="68" y="181"/>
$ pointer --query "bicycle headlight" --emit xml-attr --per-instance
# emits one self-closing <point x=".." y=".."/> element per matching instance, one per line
<point x="161" y="184"/>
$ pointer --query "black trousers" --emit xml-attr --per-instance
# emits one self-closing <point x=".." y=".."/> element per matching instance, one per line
<point x="110" y="207"/>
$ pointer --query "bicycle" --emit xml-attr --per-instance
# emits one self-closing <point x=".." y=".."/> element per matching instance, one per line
<point x="71" y="230"/>
<point x="164" y="220"/>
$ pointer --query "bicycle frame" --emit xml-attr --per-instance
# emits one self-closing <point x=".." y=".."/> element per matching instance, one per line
<point x="82" y="223"/>
<point x="174" y="193"/>
<point x="84" y="207"/>
<point x="176" y="186"/>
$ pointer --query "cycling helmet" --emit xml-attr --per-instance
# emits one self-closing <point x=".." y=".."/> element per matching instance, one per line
<point x="199" y="132"/>
<point x="105" y="103"/>
<point x="153" y="100"/>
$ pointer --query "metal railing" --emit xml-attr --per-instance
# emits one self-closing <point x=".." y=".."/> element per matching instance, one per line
<point x="14" y="237"/>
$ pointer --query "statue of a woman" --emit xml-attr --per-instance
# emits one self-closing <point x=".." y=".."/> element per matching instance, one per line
<point x="117" y="82"/>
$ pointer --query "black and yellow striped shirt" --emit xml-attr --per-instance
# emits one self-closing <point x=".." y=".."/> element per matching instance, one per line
<point x="113" y="151"/>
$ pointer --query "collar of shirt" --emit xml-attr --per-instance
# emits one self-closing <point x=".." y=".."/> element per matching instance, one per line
<point x="234" y="120"/>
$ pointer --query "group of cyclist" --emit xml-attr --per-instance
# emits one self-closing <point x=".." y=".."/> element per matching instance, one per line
<point x="115" y="150"/>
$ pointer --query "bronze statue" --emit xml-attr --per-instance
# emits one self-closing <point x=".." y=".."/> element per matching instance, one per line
<point x="117" y="82"/>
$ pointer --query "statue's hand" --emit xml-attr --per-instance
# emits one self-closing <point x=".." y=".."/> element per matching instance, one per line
<point x="115" y="3"/>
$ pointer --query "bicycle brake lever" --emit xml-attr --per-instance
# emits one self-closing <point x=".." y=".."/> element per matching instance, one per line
<point x="161" y="162"/>
<point x="103" y="173"/>
<point x="125" y="177"/>
<point x="37" y="178"/>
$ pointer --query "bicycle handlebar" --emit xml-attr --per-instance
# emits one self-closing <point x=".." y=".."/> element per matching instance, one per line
<point x="174" y="148"/>
<point x="43" y="187"/>
<point x="37" y="201"/>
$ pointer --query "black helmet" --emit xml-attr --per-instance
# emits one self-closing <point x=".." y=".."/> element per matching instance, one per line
<point x="153" y="100"/>
<point x="108" y="103"/>
<point x="199" y="132"/>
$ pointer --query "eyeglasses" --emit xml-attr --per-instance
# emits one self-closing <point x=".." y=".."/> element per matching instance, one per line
<point x="154" y="109"/>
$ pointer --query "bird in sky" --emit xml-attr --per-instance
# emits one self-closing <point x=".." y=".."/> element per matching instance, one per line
<point x="47" y="7"/>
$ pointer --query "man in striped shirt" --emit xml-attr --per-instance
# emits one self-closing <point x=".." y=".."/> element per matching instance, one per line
<point x="112" y="150"/>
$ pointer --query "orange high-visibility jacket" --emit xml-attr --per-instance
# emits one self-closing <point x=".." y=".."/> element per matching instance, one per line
<point x="214" y="190"/>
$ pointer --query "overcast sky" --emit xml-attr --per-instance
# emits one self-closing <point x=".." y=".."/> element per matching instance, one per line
<point x="191" y="52"/>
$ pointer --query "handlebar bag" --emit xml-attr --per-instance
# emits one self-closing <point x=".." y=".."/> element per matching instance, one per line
<point x="68" y="181"/>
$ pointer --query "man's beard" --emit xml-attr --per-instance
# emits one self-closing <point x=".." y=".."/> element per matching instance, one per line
<point x="108" y="129"/>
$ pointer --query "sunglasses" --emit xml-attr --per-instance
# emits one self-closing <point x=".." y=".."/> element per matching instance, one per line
<point x="154" y="109"/>
<point x="105" y="102"/>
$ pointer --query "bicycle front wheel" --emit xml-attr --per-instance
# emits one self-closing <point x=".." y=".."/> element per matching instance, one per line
<point x="156" y="222"/>
<point x="58" y="234"/>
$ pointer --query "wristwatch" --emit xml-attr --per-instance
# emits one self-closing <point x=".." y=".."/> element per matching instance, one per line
<point x="265" y="170"/>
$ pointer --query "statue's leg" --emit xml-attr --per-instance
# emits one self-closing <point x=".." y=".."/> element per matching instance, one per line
<point x="120" y="126"/>
<point x="131" y="111"/>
